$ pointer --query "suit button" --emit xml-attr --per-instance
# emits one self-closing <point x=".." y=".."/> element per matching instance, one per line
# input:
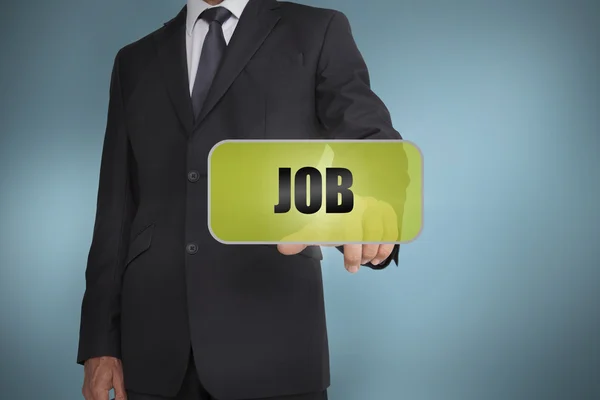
<point x="191" y="248"/>
<point x="193" y="176"/>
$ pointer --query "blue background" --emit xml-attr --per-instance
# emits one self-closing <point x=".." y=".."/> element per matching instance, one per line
<point x="499" y="298"/>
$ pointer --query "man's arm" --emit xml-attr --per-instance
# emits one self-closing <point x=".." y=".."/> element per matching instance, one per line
<point x="100" y="327"/>
<point x="346" y="106"/>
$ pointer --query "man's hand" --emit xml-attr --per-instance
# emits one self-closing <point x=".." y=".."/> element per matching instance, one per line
<point x="102" y="374"/>
<point x="372" y="221"/>
<point x="354" y="254"/>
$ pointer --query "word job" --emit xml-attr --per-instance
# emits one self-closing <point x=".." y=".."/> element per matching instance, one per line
<point x="337" y="184"/>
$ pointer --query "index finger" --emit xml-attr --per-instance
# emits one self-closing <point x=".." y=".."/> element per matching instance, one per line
<point x="352" y="257"/>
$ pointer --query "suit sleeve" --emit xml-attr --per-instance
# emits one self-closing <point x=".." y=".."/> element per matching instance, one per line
<point x="100" y="312"/>
<point x="347" y="108"/>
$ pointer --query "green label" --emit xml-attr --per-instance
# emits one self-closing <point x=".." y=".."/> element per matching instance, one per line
<point x="315" y="192"/>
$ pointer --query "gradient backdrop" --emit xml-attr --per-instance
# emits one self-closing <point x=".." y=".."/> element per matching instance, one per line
<point x="499" y="298"/>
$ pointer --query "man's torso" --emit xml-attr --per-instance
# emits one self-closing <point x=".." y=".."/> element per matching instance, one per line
<point x="253" y="316"/>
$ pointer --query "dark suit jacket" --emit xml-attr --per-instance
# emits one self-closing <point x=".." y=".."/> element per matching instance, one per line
<point x="156" y="281"/>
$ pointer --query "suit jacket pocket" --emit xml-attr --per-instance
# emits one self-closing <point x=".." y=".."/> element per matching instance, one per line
<point x="139" y="244"/>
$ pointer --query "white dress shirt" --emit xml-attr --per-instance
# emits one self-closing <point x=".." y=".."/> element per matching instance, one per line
<point x="196" y="30"/>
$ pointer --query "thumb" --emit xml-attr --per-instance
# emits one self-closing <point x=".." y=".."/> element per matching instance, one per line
<point x="289" y="249"/>
<point x="306" y="236"/>
<point x="119" y="386"/>
<point x="297" y="241"/>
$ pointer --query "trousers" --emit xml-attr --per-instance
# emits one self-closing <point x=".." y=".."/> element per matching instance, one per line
<point x="192" y="389"/>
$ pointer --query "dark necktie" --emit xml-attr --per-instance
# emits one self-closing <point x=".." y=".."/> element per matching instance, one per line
<point x="212" y="51"/>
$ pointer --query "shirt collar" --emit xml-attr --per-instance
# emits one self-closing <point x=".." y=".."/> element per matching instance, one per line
<point x="195" y="8"/>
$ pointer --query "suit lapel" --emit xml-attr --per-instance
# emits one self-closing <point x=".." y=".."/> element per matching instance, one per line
<point x="256" y="22"/>
<point x="171" y="48"/>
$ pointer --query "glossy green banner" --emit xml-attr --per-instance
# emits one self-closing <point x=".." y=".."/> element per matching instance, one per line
<point x="315" y="192"/>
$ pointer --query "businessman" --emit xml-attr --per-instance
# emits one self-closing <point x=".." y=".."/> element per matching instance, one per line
<point x="169" y="312"/>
